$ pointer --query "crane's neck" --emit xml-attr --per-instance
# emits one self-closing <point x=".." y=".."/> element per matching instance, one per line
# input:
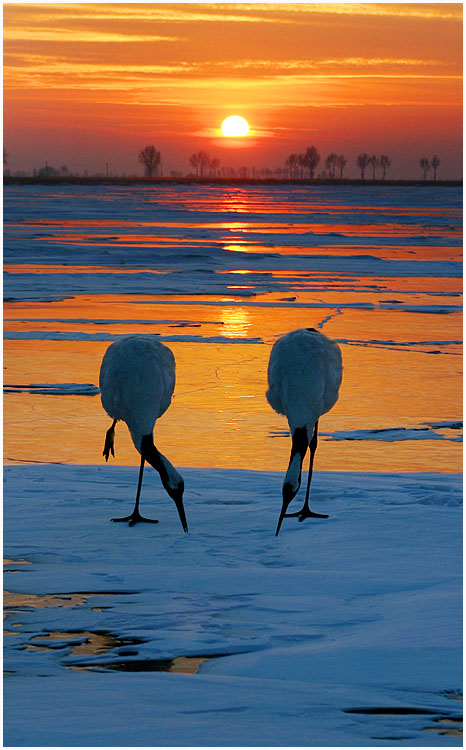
<point x="299" y="446"/>
<point x="171" y="478"/>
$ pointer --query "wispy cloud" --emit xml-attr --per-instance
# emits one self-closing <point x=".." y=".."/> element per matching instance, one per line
<point x="405" y="10"/>
<point x="250" y="13"/>
<point x="67" y="35"/>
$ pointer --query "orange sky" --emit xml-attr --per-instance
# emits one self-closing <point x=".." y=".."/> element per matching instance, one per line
<point x="86" y="84"/>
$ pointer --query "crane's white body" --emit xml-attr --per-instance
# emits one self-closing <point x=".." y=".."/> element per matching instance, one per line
<point x="304" y="376"/>
<point x="137" y="379"/>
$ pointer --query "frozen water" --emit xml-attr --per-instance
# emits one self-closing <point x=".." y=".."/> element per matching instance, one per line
<point x="358" y="612"/>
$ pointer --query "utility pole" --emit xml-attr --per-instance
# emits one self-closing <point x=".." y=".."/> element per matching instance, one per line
<point x="106" y="168"/>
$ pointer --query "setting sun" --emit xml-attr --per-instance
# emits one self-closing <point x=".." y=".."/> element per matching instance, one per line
<point x="235" y="126"/>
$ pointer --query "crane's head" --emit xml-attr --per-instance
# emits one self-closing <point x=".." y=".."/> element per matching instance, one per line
<point x="171" y="478"/>
<point x="291" y="485"/>
<point x="176" y="493"/>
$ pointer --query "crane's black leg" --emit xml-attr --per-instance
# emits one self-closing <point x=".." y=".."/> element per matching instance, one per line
<point x="305" y="511"/>
<point x="135" y="516"/>
<point x="109" y="441"/>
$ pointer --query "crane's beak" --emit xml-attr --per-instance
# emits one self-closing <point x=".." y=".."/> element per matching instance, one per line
<point x="282" y="516"/>
<point x="288" y="494"/>
<point x="180" y="508"/>
<point x="177" y="496"/>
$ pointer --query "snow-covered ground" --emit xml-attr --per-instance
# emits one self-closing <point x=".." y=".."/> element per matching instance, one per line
<point x="341" y="632"/>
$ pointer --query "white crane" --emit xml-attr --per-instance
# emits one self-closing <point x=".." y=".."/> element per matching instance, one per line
<point x="304" y="375"/>
<point x="137" y="378"/>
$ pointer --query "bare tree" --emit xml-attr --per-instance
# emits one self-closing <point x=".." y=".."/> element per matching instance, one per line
<point x="311" y="160"/>
<point x="292" y="164"/>
<point x="266" y="172"/>
<point x="362" y="161"/>
<point x="194" y="161"/>
<point x="5" y="156"/>
<point x="301" y="165"/>
<point x="435" y="162"/>
<point x="425" y="164"/>
<point x="385" y="162"/>
<point x="213" y="166"/>
<point x="341" y="164"/>
<point x="149" y="157"/>
<point x="200" y="161"/>
<point x="331" y="164"/>
<point x="374" y="162"/>
<point x="228" y="172"/>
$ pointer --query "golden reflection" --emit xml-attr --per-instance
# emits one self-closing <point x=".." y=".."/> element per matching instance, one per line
<point x="7" y="561"/>
<point x="219" y="416"/>
<point x="83" y="642"/>
<point x="12" y="601"/>
<point x="180" y="664"/>
<point x="236" y="321"/>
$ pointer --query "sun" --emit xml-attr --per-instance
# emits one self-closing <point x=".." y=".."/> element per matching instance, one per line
<point x="234" y="127"/>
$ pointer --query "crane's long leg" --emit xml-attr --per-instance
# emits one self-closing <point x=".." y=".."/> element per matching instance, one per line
<point x="135" y="516"/>
<point x="305" y="511"/>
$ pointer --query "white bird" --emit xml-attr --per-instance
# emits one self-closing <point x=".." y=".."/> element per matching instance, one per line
<point x="137" y="378"/>
<point x="304" y="375"/>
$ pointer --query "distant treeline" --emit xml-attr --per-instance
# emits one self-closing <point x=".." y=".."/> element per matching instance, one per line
<point x="100" y="180"/>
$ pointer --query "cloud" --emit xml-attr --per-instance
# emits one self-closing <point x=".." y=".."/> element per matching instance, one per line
<point x="78" y="35"/>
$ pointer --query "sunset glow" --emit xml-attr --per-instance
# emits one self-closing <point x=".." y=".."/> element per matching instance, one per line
<point x="87" y="85"/>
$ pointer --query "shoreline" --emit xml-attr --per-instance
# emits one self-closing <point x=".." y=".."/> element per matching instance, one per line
<point x="100" y="180"/>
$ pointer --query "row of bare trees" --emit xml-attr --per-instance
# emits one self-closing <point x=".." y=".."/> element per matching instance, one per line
<point x="365" y="160"/>
<point x="426" y="165"/>
<point x="334" y="164"/>
<point x="296" y="164"/>
<point x="202" y="161"/>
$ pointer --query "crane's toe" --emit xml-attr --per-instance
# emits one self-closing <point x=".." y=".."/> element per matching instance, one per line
<point x="135" y="517"/>
<point x="305" y="513"/>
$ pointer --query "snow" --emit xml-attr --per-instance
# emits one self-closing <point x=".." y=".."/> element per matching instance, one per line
<point x="360" y="611"/>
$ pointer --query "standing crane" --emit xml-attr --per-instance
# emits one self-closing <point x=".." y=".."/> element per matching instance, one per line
<point x="137" y="379"/>
<point x="304" y="375"/>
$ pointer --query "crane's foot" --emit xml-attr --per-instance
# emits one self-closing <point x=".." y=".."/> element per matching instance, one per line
<point x="135" y="517"/>
<point x="304" y="513"/>
<point x="109" y="443"/>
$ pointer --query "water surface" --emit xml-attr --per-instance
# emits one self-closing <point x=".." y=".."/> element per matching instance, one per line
<point x="219" y="273"/>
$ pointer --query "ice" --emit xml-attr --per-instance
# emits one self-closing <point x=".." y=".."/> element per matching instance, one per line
<point x="176" y="240"/>
<point x="53" y="389"/>
<point x="393" y="434"/>
<point x="103" y="336"/>
<point x="357" y="613"/>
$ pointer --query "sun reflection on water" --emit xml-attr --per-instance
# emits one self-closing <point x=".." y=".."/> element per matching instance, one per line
<point x="236" y="321"/>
